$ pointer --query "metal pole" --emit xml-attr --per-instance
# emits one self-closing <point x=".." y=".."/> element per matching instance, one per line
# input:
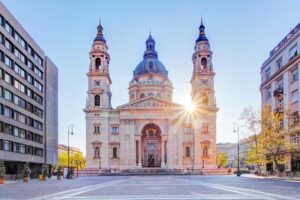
<point x="236" y="129"/>
<point x="77" y="169"/>
<point x="68" y="174"/>
<point x="238" y="171"/>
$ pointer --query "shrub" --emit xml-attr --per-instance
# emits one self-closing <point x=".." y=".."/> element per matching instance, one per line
<point x="26" y="170"/>
<point x="2" y="169"/>
<point x="45" y="170"/>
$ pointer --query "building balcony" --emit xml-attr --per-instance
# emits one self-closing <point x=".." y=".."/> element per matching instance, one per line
<point x="294" y="120"/>
<point x="278" y="93"/>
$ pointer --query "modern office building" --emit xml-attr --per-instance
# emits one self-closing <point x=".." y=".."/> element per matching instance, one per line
<point x="28" y="99"/>
<point x="280" y="88"/>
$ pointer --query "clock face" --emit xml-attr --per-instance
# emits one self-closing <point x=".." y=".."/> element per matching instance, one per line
<point x="97" y="83"/>
<point x="204" y="82"/>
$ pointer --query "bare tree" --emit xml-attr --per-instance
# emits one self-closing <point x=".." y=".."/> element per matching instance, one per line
<point x="266" y="136"/>
<point x="251" y="120"/>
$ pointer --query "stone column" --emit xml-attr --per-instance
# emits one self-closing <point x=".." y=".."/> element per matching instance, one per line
<point x="166" y="153"/>
<point x="163" y="164"/>
<point x="140" y="153"/>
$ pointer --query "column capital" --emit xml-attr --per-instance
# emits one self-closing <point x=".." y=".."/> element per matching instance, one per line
<point x="164" y="137"/>
<point x="138" y="137"/>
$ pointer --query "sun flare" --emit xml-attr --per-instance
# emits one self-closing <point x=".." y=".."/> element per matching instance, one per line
<point x="189" y="106"/>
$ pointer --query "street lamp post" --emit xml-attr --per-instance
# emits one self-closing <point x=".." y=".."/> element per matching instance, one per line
<point x="77" y="167"/>
<point x="236" y="130"/>
<point x="69" y="132"/>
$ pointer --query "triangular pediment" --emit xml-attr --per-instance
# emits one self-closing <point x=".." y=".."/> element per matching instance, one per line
<point x="150" y="102"/>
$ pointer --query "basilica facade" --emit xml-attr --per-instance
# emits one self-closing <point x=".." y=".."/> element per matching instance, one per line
<point x="150" y="131"/>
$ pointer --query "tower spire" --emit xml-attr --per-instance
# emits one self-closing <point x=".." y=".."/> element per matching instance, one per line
<point x="202" y="28"/>
<point x="100" y="28"/>
<point x="99" y="36"/>
<point x="202" y="36"/>
<point x="150" y="47"/>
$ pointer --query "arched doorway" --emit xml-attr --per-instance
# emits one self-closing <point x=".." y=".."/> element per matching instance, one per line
<point x="151" y="146"/>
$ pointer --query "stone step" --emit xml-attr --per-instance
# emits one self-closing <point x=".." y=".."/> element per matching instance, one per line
<point x="151" y="171"/>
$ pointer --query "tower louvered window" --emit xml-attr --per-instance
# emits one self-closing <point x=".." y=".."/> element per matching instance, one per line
<point x="97" y="100"/>
<point x="97" y="63"/>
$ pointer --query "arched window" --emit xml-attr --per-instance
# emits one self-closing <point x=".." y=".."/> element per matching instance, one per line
<point x="97" y="100"/>
<point x="158" y="95"/>
<point x="150" y="94"/>
<point x="97" y="152"/>
<point x="204" y="63"/>
<point x="187" y="152"/>
<point x="205" y="153"/>
<point x="142" y="95"/>
<point x="97" y="63"/>
<point x="115" y="152"/>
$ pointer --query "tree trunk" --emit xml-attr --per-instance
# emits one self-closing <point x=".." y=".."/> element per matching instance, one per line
<point x="276" y="169"/>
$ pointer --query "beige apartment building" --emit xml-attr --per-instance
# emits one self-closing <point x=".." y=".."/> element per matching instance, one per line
<point x="231" y="150"/>
<point x="64" y="149"/>
<point x="280" y="88"/>
<point x="150" y="131"/>
<point x="28" y="99"/>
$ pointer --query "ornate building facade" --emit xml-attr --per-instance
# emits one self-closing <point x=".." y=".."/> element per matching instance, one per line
<point x="151" y="131"/>
<point x="280" y="90"/>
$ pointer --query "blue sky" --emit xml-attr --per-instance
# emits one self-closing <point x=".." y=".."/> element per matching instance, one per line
<point x="241" y="35"/>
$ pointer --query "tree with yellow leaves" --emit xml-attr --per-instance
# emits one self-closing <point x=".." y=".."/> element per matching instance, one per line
<point x="222" y="160"/>
<point x="75" y="158"/>
<point x="272" y="140"/>
<point x="268" y="141"/>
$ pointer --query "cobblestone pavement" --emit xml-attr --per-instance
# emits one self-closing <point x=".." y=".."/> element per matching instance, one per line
<point x="153" y="188"/>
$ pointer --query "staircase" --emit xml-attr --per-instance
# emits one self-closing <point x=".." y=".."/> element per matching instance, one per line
<point x="150" y="171"/>
<point x="153" y="171"/>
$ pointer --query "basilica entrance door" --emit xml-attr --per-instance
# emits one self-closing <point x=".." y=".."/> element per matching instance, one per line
<point x="151" y="146"/>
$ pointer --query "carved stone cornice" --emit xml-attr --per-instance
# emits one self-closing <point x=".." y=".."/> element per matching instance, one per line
<point x="91" y="110"/>
<point x="100" y="72"/>
<point x="97" y="91"/>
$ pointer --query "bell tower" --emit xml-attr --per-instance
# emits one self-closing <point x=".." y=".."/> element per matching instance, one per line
<point x="99" y="95"/>
<point x="203" y="97"/>
<point x="202" y="81"/>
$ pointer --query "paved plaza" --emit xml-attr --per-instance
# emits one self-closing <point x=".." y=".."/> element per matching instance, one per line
<point x="154" y="187"/>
